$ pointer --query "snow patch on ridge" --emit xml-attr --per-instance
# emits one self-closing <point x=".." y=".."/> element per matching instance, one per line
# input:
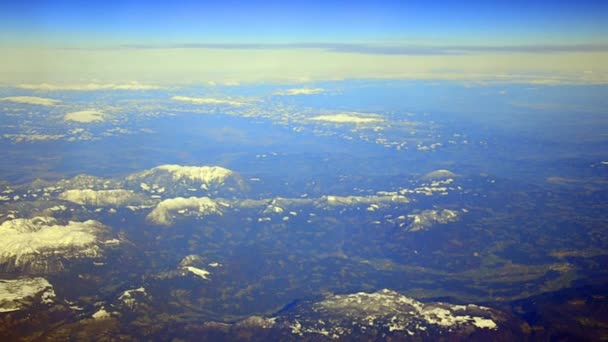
<point x="198" y="272"/>
<point x="190" y="264"/>
<point x="128" y="297"/>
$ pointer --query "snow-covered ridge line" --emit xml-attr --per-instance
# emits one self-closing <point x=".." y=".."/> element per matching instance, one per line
<point x="427" y="218"/>
<point x="203" y="177"/>
<point x="31" y="241"/>
<point x="163" y="212"/>
<point x="99" y="197"/>
<point x="338" y="316"/>
<point x="384" y="301"/>
<point x="204" y="174"/>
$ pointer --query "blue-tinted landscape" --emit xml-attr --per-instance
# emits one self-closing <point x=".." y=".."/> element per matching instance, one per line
<point x="219" y="213"/>
<point x="367" y="172"/>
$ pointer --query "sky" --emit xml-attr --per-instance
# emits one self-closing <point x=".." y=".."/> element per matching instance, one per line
<point x="303" y="41"/>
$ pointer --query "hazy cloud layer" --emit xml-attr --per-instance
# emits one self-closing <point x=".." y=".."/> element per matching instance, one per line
<point x="244" y="63"/>
<point x="393" y="49"/>
<point x="88" y="87"/>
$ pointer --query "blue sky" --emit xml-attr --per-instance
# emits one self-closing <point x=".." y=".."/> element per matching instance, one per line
<point x="155" y="22"/>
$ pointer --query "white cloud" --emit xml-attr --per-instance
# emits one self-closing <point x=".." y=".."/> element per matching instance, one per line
<point x="85" y="116"/>
<point x="299" y="91"/>
<point x="162" y="214"/>
<point x="88" y="87"/>
<point x="207" y="101"/>
<point x="356" y="118"/>
<point x="42" y="101"/>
